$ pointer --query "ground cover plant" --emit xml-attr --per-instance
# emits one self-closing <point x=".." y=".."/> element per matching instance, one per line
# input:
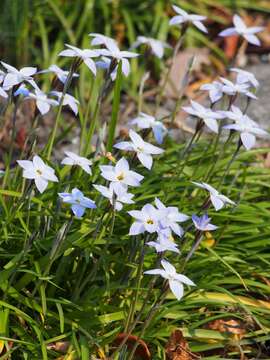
<point x="137" y="244"/>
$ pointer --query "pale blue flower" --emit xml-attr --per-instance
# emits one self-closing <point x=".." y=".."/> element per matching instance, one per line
<point x="202" y="223"/>
<point x="78" y="202"/>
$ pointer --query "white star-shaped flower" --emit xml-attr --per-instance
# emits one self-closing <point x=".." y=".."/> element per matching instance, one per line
<point x="244" y="77"/>
<point x="100" y="39"/>
<point x="175" y="280"/>
<point x="147" y="219"/>
<point x="16" y="77"/>
<point x="42" y="101"/>
<point x="171" y="217"/>
<point x="61" y="74"/>
<point x="144" y="121"/>
<point x="157" y="46"/>
<point x="183" y="17"/>
<point x="208" y="116"/>
<point x="117" y="197"/>
<point x="232" y="89"/>
<point x="237" y="115"/>
<point x="247" y="129"/>
<point x="163" y="243"/>
<point x="114" y="52"/>
<point x="74" y="159"/>
<point x="68" y="100"/>
<point x="120" y="175"/>
<point x="217" y="199"/>
<point x="215" y="90"/>
<point x="143" y="149"/>
<point x="240" y="28"/>
<point x="85" y="55"/>
<point x="38" y="171"/>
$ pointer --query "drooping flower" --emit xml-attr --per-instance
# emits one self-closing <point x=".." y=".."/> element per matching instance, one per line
<point x="184" y="17"/>
<point x="16" y="77"/>
<point x="74" y="159"/>
<point x="146" y="219"/>
<point x="157" y="46"/>
<point x="202" y="223"/>
<point x="143" y="149"/>
<point x="120" y="175"/>
<point x="68" y="100"/>
<point x="85" y="55"/>
<point x="114" y="52"/>
<point x="171" y="217"/>
<point x="61" y="74"/>
<point x="208" y="116"/>
<point x="247" y="129"/>
<point x="218" y="200"/>
<point x="163" y="245"/>
<point x="244" y="77"/>
<point x="117" y="197"/>
<point x="78" y="202"/>
<point x="214" y="89"/>
<point x="164" y="242"/>
<point x="100" y="39"/>
<point x="38" y="171"/>
<point x="240" y="28"/>
<point x="175" y="280"/>
<point x="235" y="114"/>
<point x="144" y="121"/>
<point x="232" y="89"/>
<point x="42" y="101"/>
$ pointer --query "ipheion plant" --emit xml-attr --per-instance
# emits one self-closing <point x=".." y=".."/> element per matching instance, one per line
<point x="158" y="225"/>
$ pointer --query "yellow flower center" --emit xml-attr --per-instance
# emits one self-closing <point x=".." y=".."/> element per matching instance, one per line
<point x="120" y="177"/>
<point x="39" y="172"/>
<point x="150" y="222"/>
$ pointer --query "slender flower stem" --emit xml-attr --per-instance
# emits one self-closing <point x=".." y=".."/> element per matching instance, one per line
<point x="149" y="318"/>
<point x="73" y="68"/>
<point x="13" y="136"/>
<point x="230" y="163"/>
<point x="198" y="239"/>
<point x="138" y="283"/>
<point x="104" y="91"/>
<point x="139" y="315"/>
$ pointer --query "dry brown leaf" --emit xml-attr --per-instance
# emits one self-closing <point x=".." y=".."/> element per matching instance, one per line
<point x="180" y="68"/>
<point x="177" y="347"/>
<point x="142" y="350"/>
<point x="232" y="326"/>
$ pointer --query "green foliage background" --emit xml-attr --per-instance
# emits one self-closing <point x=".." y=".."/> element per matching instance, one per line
<point x="33" y="31"/>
